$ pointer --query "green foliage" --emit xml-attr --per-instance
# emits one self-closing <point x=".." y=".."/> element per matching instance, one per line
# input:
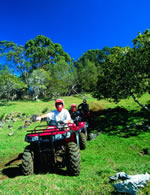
<point x="15" y="56"/>
<point x="87" y="68"/>
<point x="88" y="76"/>
<point x="95" y="55"/>
<point x="63" y="78"/>
<point x="41" y="52"/>
<point x="121" y="75"/>
<point x="38" y="82"/>
<point x="113" y="73"/>
<point x="142" y="53"/>
<point x="37" y="53"/>
<point x="9" y="84"/>
<point x="104" y="156"/>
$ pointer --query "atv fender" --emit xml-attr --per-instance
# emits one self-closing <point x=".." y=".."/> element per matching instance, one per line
<point x="83" y="130"/>
<point x="77" y="139"/>
<point x="74" y="138"/>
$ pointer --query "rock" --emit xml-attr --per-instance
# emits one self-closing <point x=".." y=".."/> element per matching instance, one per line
<point x="14" y="120"/>
<point x="10" y="126"/>
<point x="33" y="117"/>
<point x="26" y="126"/>
<point x="11" y="133"/>
<point x="21" y="127"/>
<point x="92" y="136"/>
<point x="28" y="122"/>
<point x="1" y="125"/>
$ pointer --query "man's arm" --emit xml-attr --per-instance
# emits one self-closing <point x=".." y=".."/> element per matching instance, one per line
<point x="79" y="106"/>
<point x="39" y="118"/>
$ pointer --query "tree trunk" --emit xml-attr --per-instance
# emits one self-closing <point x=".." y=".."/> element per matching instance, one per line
<point x="143" y="106"/>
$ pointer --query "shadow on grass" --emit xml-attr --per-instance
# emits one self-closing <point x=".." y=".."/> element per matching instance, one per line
<point x="13" y="169"/>
<point x="12" y="172"/>
<point x="121" y="122"/>
<point x="19" y="157"/>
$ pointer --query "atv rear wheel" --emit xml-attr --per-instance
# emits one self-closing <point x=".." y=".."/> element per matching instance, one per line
<point x="27" y="161"/>
<point x="73" y="159"/>
<point x="82" y="141"/>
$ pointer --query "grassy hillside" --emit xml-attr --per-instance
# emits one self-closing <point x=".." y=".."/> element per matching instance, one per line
<point x="123" y="144"/>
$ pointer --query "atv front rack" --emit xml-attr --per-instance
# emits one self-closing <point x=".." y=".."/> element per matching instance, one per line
<point x="51" y="129"/>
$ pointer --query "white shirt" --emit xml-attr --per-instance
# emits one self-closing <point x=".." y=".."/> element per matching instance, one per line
<point x="64" y="115"/>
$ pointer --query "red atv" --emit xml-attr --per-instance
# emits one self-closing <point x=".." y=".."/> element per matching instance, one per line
<point x="85" y="115"/>
<point x="82" y="125"/>
<point x="82" y="128"/>
<point x="53" y="146"/>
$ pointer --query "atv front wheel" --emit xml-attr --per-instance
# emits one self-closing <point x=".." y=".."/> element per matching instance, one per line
<point x="82" y="141"/>
<point x="73" y="159"/>
<point x="27" y="161"/>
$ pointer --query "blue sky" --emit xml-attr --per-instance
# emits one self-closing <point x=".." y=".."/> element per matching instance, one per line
<point x="78" y="25"/>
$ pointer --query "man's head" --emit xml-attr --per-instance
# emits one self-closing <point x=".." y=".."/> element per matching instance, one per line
<point x="59" y="104"/>
<point x="73" y="107"/>
<point x="84" y="101"/>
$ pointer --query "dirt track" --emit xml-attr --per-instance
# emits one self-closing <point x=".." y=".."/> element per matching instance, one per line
<point x="10" y="168"/>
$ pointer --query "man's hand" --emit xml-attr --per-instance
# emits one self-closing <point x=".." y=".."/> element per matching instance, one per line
<point x="38" y="118"/>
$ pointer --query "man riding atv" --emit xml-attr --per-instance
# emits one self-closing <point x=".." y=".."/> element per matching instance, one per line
<point x="60" y="114"/>
<point x="55" y="145"/>
<point x="83" y="108"/>
<point x="73" y="111"/>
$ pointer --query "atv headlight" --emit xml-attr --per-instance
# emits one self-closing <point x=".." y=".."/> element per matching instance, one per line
<point x="35" y="138"/>
<point x="68" y="134"/>
<point x="31" y="139"/>
<point x="58" y="137"/>
<point x="86" y="124"/>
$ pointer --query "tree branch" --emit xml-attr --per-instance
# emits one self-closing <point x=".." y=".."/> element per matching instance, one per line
<point x="143" y="106"/>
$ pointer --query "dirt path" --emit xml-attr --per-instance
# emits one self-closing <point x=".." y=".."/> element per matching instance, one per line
<point x="10" y="168"/>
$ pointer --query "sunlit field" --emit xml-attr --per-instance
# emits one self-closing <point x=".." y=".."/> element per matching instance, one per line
<point x="122" y="144"/>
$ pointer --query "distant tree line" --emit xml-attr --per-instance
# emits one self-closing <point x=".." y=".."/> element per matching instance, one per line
<point x="43" y="69"/>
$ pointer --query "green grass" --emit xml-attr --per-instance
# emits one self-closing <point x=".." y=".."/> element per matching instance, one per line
<point x="122" y="145"/>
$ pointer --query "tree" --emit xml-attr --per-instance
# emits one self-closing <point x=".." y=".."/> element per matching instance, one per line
<point x="95" y="55"/>
<point x="41" y="52"/>
<point x="142" y="50"/>
<point x="38" y="53"/>
<point x="87" y="76"/>
<point x="87" y="68"/>
<point x="111" y="75"/>
<point x="10" y="84"/>
<point x="38" y="82"/>
<point x="123" y="74"/>
<point x="64" y="78"/>
<point x="15" y="57"/>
